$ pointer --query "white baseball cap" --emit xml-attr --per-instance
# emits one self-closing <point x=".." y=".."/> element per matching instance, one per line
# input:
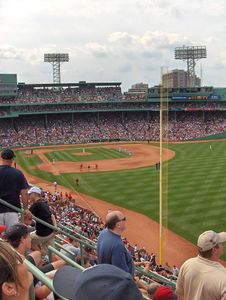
<point x="209" y="239"/>
<point x="35" y="189"/>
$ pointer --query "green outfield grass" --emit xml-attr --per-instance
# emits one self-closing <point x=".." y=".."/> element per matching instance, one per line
<point x="94" y="154"/>
<point x="196" y="187"/>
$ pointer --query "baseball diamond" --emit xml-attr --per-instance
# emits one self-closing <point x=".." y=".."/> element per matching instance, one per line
<point x="196" y="181"/>
<point x="102" y="145"/>
<point x="113" y="150"/>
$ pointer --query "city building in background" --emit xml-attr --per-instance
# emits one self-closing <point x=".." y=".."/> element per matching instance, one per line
<point x="178" y="79"/>
<point x="138" y="89"/>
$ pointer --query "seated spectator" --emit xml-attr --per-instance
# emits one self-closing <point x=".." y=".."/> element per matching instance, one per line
<point x="18" y="236"/>
<point x="100" y="282"/>
<point x="15" y="280"/>
<point x="164" y="293"/>
<point x="151" y="289"/>
<point x="71" y="246"/>
<point x="43" y="236"/>
<point x="86" y="263"/>
<point x="2" y="229"/>
<point x="92" y="255"/>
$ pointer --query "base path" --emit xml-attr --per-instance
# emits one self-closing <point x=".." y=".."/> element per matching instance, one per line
<point x="141" y="155"/>
<point x="140" y="229"/>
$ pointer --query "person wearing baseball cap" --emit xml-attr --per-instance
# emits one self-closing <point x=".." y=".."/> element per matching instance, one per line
<point x="204" y="277"/>
<point x="43" y="235"/>
<point x="18" y="235"/>
<point x="13" y="184"/>
<point x="100" y="282"/>
<point x="164" y="293"/>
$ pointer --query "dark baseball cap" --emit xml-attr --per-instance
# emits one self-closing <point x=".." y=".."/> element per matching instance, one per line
<point x="100" y="282"/>
<point x="17" y="231"/>
<point x="7" y="154"/>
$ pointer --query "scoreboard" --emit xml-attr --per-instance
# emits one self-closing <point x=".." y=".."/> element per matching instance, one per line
<point x="8" y="85"/>
<point x="211" y="96"/>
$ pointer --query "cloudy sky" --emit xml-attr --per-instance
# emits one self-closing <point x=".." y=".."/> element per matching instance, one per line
<point x="111" y="40"/>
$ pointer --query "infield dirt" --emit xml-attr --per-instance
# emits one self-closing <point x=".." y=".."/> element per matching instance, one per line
<point x="141" y="230"/>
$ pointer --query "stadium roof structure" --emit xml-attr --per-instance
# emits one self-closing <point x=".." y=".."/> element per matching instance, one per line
<point x="78" y="84"/>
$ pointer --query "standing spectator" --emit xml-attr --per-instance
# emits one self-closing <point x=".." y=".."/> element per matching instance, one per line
<point x="43" y="236"/>
<point x="110" y="247"/>
<point x="13" y="184"/>
<point x="175" y="271"/>
<point x="153" y="260"/>
<point x="203" y="277"/>
<point x="55" y="186"/>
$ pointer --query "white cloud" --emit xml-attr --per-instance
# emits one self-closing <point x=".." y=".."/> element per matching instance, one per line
<point x="118" y="40"/>
<point x="97" y="49"/>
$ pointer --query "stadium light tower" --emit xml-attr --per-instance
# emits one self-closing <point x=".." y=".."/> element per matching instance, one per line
<point x="56" y="59"/>
<point x="191" y="55"/>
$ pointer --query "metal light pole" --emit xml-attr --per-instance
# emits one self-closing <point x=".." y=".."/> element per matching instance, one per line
<point x="191" y="55"/>
<point x="56" y="59"/>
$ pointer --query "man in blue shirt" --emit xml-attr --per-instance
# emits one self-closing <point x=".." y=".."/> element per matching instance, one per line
<point x="110" y="247"/>
<point x="13" y="184"/>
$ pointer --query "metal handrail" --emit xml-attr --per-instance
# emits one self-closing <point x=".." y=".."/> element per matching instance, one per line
<point x="150" y="274"/>
<point x="42" y="277"/>
<point x="65" y="258"/>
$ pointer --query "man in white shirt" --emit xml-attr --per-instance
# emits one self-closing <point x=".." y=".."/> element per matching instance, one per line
<point x="203" y="277"/>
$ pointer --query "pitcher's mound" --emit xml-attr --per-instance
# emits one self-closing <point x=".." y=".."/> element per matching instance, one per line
<point x="82" y="153"/>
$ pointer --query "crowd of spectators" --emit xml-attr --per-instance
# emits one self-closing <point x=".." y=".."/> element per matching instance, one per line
<point x="107" y="106"/>
<point x="76" y="94"/>
<point x="91" y="127"/>
<point x="90" y="93"/>
<point x="89" y="225"/>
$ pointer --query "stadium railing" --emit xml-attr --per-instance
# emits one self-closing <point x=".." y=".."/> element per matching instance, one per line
<point x="41" y="277"/>
<point x="83" y="241"/>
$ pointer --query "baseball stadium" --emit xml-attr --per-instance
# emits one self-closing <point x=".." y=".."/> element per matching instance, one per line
<point x="159" y="156"/>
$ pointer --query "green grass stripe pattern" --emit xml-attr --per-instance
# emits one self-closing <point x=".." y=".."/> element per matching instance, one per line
<point x="196" y="187"/>
<point x="94" y="154"/>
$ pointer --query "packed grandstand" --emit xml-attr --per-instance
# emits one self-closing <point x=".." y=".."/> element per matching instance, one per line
<point x="40" y="114"/>
<point x="43" y="114"/>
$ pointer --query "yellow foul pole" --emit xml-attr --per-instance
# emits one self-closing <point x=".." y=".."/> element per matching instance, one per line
<point x="163" y="170"/>
<point x="160" y="175"/>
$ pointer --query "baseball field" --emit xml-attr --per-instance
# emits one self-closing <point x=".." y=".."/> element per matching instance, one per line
<point x="125" y="175"/>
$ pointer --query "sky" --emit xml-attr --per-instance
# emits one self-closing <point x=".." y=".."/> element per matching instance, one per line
<point x="128" y="41"/>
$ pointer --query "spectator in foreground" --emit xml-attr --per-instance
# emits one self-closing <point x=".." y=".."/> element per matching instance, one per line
<point x="100" y="282"/>
<point x="18" y="236"/>
<point x="203" y="277"/>
<point x="15" y="280"/>
<point x="13" y="184"/>
<point x="110" y="247"/>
